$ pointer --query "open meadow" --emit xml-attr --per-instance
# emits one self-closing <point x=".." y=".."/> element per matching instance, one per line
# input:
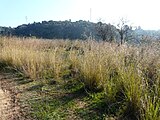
<point x="77" y="79"/>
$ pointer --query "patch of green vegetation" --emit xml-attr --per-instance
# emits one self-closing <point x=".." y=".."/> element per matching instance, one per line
<point x="48" y="109"/>
<point x="66" y="100"/>
<point x="55" y="103"/>
<point x="94" y="109"/>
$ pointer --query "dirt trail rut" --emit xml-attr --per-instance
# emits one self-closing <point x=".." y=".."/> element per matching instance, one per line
<point x="4" y="105"/>
<point x="9" y="105"/>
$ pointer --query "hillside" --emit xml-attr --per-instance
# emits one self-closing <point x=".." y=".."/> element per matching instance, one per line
<point x="82" y="30"/>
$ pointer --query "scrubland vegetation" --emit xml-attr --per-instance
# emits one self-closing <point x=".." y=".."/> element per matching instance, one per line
<point x="125" y="78"/>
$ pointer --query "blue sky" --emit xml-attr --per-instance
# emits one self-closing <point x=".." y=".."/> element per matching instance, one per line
<point x="139" y="12"/>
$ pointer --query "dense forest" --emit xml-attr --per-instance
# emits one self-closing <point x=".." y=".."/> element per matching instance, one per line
<point x="81" y="30"/>
<point x="53" y="30"/>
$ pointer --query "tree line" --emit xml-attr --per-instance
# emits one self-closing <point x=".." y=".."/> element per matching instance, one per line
<point x="121" y="33"/>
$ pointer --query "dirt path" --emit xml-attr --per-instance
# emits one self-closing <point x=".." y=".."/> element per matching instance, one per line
<point x="4" y="105"/>
<point x="9" y="105"/>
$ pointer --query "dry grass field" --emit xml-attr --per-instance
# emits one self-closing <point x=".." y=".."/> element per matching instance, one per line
<point x="125" y="78"/>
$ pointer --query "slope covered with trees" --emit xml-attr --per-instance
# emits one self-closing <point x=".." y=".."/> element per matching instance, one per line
<point x="82" y="30"/>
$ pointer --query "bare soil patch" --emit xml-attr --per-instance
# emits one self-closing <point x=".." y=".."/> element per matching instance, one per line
<point x="10" y="108"/>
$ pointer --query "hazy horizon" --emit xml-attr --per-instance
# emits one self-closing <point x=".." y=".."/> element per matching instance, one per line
<point x="142" y="13"/>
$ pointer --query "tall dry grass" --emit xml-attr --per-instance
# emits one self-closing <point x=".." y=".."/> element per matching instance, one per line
<point x="128" y="75"/>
